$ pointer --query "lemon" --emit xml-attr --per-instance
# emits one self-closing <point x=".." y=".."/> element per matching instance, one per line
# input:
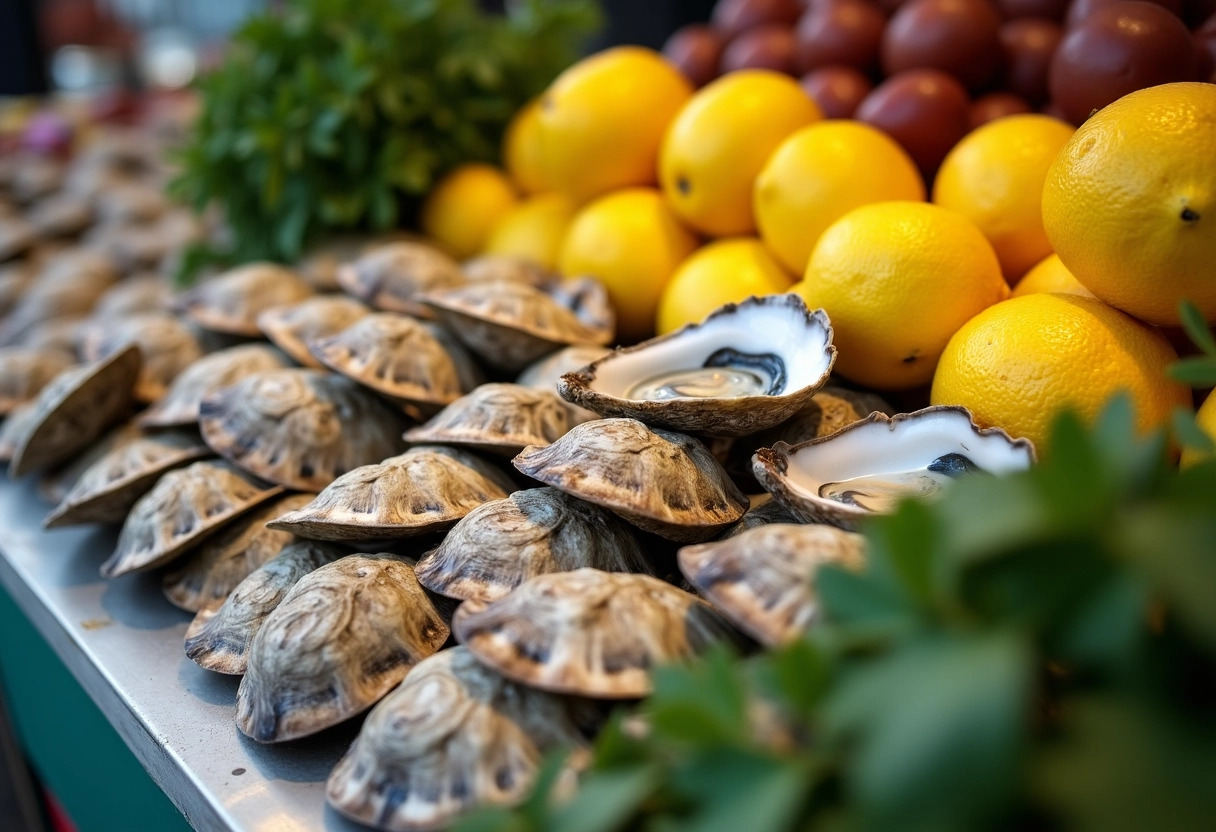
<point x="1020" y="362"/>
<point x="994" y="177"/>
<point x="819" y="174"/>
<point x="603" y="119"/>
<point x="1049" y="275"/>
<point x="533" y="229"/>
<point x="521" y="151"/>
<point x="897" y="279"/>
<point x="1130" y="203"/>
<point x="718" y="144"/>
<point x="464" y="207"/>
<point x="1206" y="419"/>
<point x="725" y="271"/>
<point x="632" y="242"/>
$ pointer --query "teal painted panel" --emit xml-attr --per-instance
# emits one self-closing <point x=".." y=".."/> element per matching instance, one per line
<point x="69" y="742"/>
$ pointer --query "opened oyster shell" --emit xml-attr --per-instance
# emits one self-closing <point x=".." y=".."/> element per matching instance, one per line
<point x="292" y="328"/>
<point x="185" y="394"/>
<point x="589" y="632"/>
<point x="344" y="636"/>
<point x="76" y="407"/>
<point x="184" y="506"/>
<point x="287" y="426"/>
<point x="502" y="543"/>
<point x="24" y="372"/>
<point x="663" y="482"/>
<point x="128" y="464"/>
<point x="219" y="637"/>
<point x="426" y="489"/>
<point x="392" y="276"/>
<point x="232" y="301"/>
<point x="763" y="579"/>
<point x="167" y="347"/>
<point x="543" y="374"/>
<point x="497" y="418"/>
<point x="408" y="361"/>
<point x="872" y="464"/>
<point x="453" y="736"/>
<point x="509" y="324"/>
<point x="746" y="367"/>
<point x="206" y="576"/>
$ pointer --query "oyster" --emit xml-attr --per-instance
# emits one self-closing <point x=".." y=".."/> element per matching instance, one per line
<point x="60" y="215"/>
<point x="142" y="293"/>
<point x="543" y="374"/>
<point x="453" y="736"/>
<point x="490" y="267"/>
<point x="166" y="344"/>
<point x="293" y="327"/>
<point x="393" y="275"/>
<point x="509" y="324"/>
<point x="219" y="636"/>
<point x="408" y="361"/>
<point x="16" y="235"/>
<point x="129" y="463"/>
<point x="662" y="482"/>
<point x="20" y="421"/>
<point x="832" y="409"/>
<point x="232" y="301"/>
<point x="746" y="367"/>
<point x="181" y="401"/>
<point x="74" y="409"/>
<point x="425" y="489"/>
<point x="24" y="372"/>
<point x="56" y="334"/>
<point x="67" y="286"/>
<point x="769" y="511"/>
<point x="763" y="579"/>
<point x="342" y="638"/>
<point x="500" y="544"/>
<point x="184" y="506"/>
<point x="286" y="426"/>
<point x="872" y="464"/>
<point x="207" y="576"/>
<point x="589" y="632"/>
<point x="15" y="278"/>
<point x="497" y="418"/>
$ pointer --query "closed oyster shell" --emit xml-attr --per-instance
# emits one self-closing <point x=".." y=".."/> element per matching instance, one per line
<point x="219" y="637"/>
<point x="15" y="278"/>
<point x="832" y="409"/>
<point x="344" y="636"/>
<point x="409" y="361"/>
<point x="206" y="576"/>
<point x="393" y="275"/>
<point x="60" y="215"/>
<point x="291" y="328"/>
<point x="589" y="632"/>
<point x="662" y="482"/>
<point x="16" y="235"/>
<point x="124" y="471"/>
<point x="18" y="423"/>
<point x="24" y="372"/>
<point x="166" y="345"/>
<point x="74" y="409"/>
<point x="769" y="511"/>
<point x="425" y="489"/>
<point x="453" y="736"/>
<point x="183" y="507"/>
<point x="60" y="334"/>
<point x="67" y="287"/>
<point x="502" y="543"/>
<point x="763" y="579"/>
<point x="509" y="324"/>
<point x="180" y="404"/>
<point x="142" y="293"/>
<point x="497" y="418"/>
<point x="232" y="301"/>
<point x="286" y="426"/>
<point x="489" y="267"/>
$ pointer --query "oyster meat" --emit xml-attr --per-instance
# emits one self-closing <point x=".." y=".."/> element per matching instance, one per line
<point x="497" y="418"/>
<point x="232" y="301"/>
<point x="166" y="345"/>
<point x="292" y="328"/>
<point x="181" y="401"/>
<point x="393" y="275"/>
<point x="24" y="372"/>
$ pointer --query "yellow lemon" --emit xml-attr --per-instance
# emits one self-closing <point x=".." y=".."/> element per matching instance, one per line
<point x="521" y="151"/>
<point x="1049" y="275"/>
<point x="464" y="207"/>
<point x="603" y="119"/>
<point x="1130" y="203"/>
<point x="994" y="177"/>
<point x="1206" y="418"/>
<point x="1020" y="362"/>
<point x="632" y="242"/>
<point x="819" y="174"/>
<point x="533" y="229"/>
<point x="725" y="271"/>
<point x="897" y="279"/>
<point x="717" y="145"/>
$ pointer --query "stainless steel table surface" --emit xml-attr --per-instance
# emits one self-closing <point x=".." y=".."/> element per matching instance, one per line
<point x="123" y="642"/>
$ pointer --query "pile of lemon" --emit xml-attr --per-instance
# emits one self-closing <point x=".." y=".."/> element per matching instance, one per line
<point x="680" y="201"/>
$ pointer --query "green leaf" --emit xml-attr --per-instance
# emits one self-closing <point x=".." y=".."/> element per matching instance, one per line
<point x="701" y="702"/>
<point x="1196" y="370"/>
<point x="606" y="802"/>
<point x="732" y="789"/>
<point x="1196" y="327"/>
<point x="1188" y="432"/>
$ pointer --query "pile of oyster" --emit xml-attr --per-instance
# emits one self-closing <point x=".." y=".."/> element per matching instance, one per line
<point x="386" y="480"/>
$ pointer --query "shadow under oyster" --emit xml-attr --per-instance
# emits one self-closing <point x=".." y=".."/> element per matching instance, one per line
<point x="231" y="302"/>
<point x="24" y="372"/>
<point x="344" y="636"/>
<point x="393" y="275"/>
<point x="185" y="394"/>
<point x="497" y="418"/>
<point x="166" y="345"/>
<point x="292" y="328"/>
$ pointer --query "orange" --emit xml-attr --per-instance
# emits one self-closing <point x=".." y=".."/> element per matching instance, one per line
<point x="725" y="271"/>
<point x="533" y="229"/>
<point x="819" y="174"/>
<point x="1019" y="363"/>
<point x="1130" y="203"/>
<point x="719" y="142"/>
<point x="632" y="242"/>
<point x="897" y="279"/>
<point x="1206" y="418"/>
<point x="521" y="150"/>
<point x="1049" y="275"/>
<point x="603" y="119"/>
<point x="465" y="206"/>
